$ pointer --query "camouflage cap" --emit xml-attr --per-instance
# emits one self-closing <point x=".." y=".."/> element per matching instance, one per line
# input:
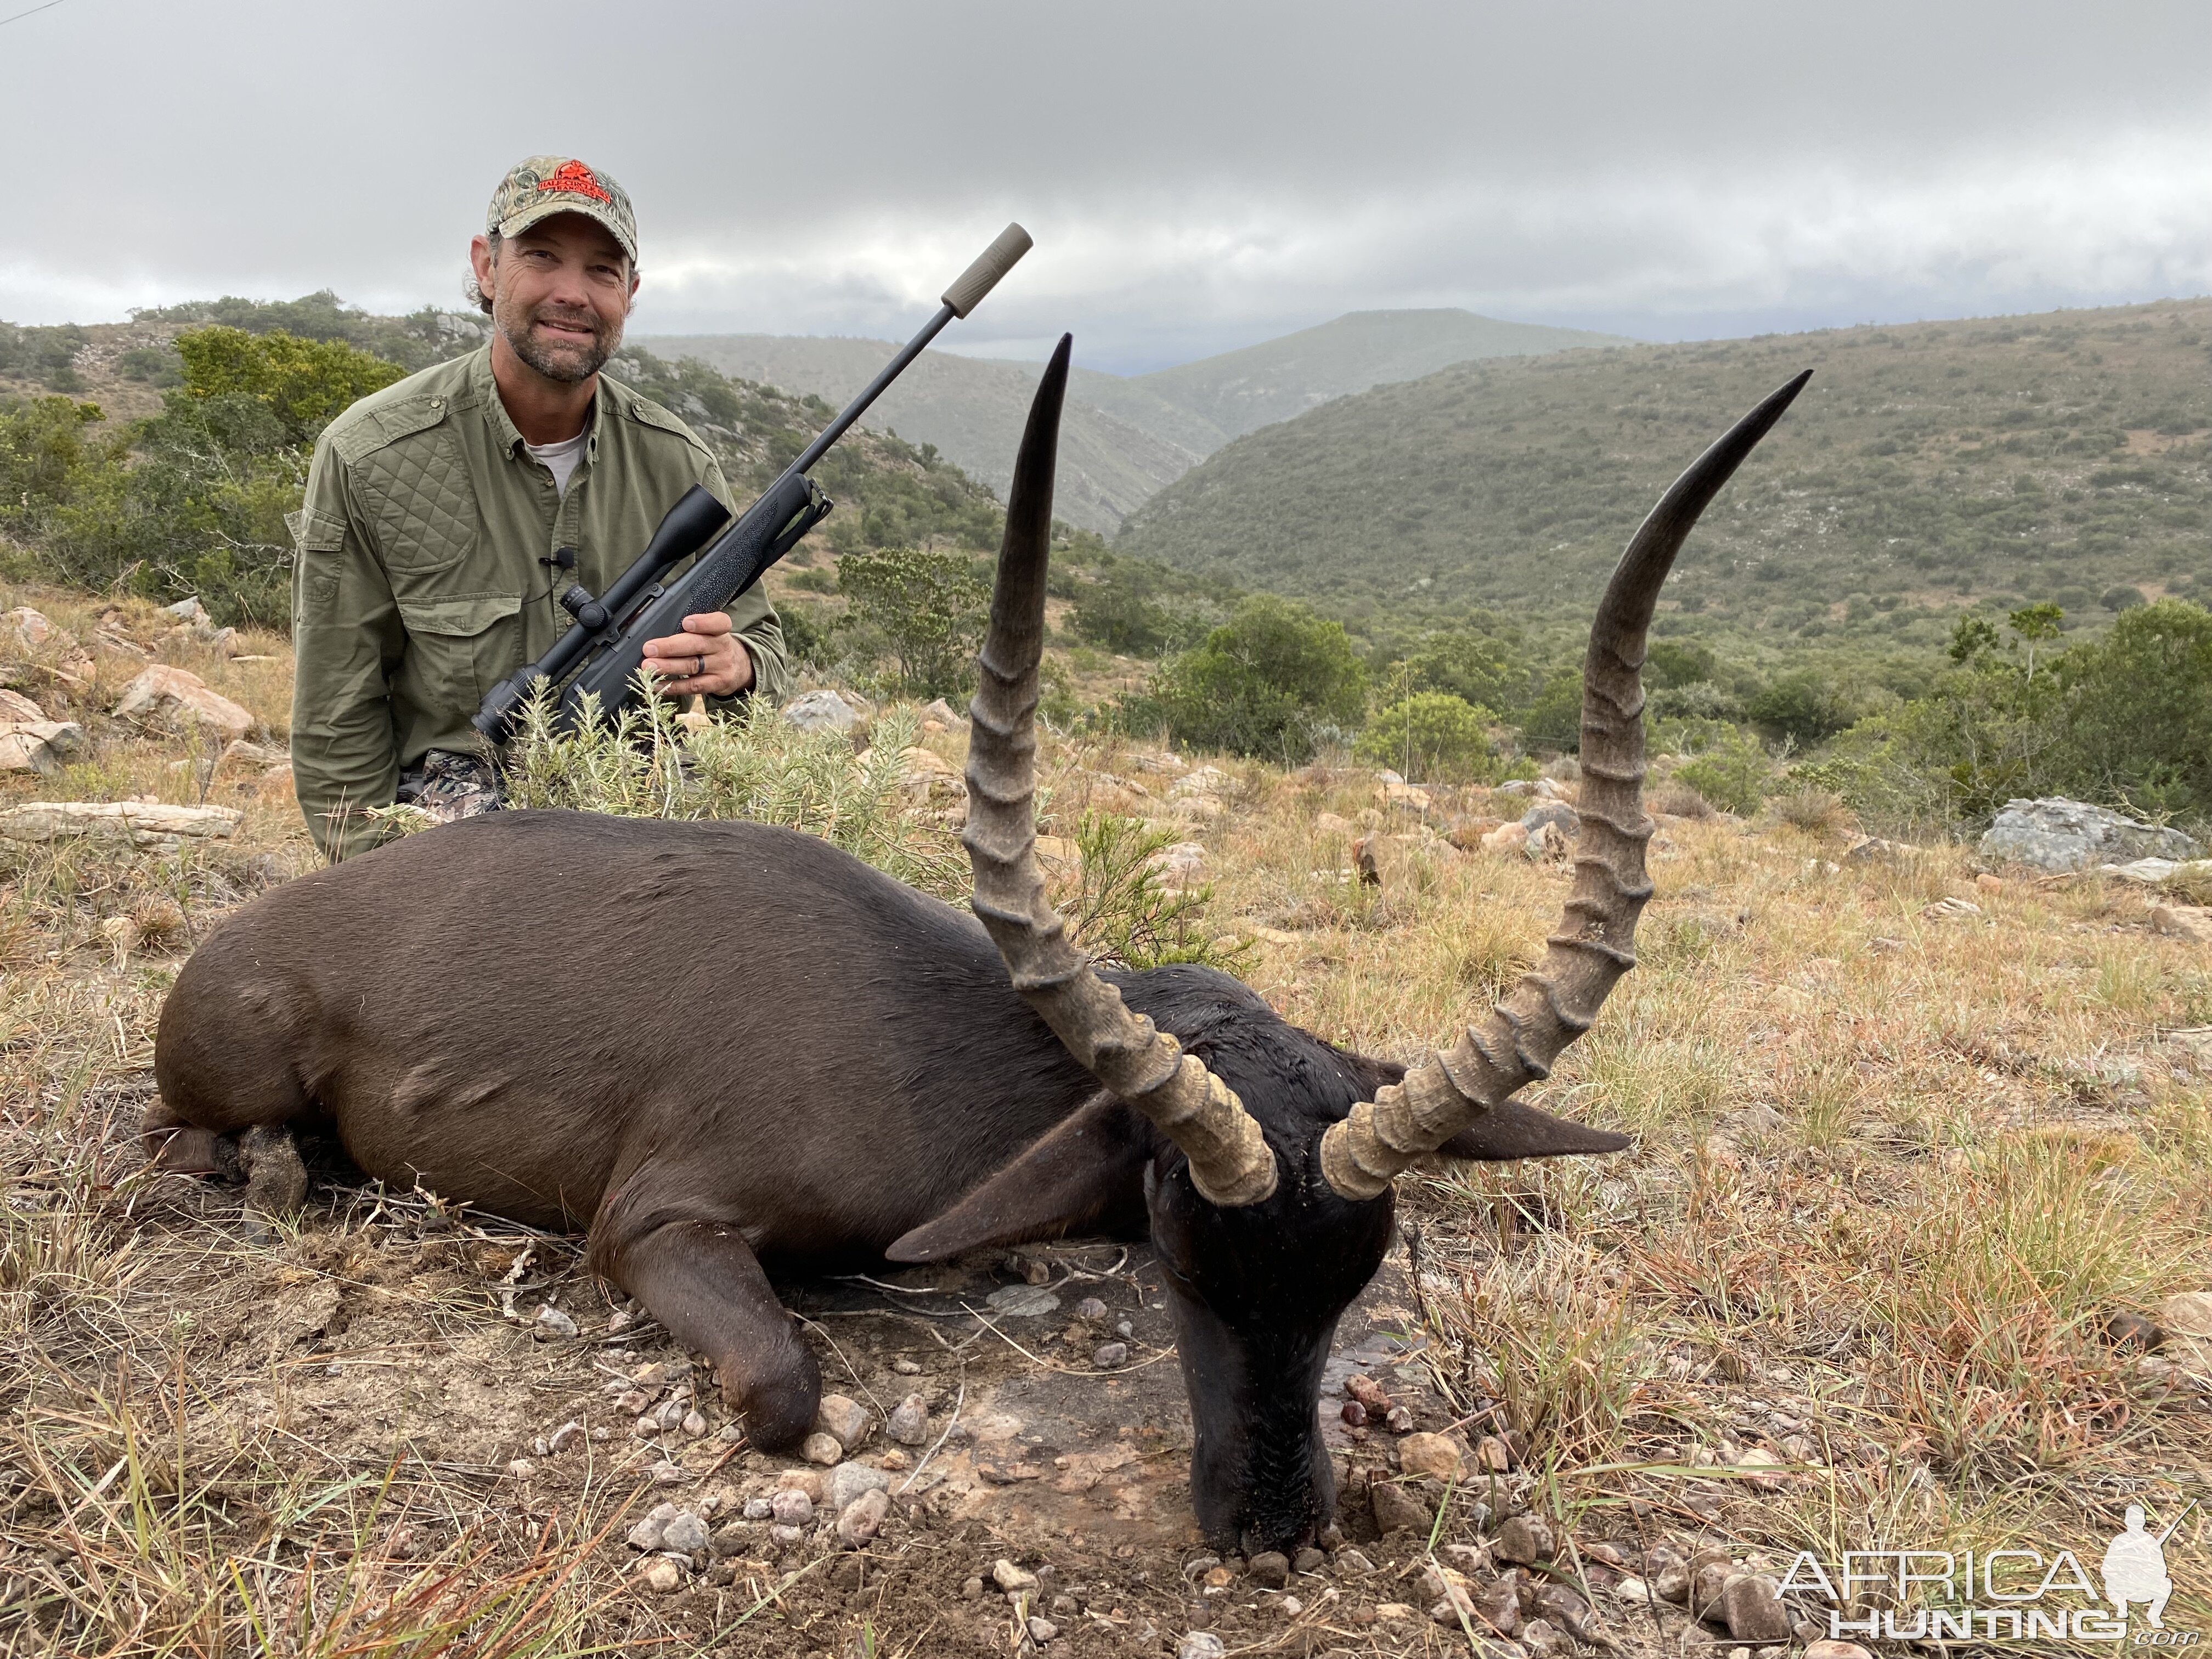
<point x="542" y="185"/>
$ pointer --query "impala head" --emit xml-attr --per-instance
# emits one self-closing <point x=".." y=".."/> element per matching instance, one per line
<point x="1268" y="1155"/>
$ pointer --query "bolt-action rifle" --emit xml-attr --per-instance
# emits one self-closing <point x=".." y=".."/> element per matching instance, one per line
<point x="610" y="630"/>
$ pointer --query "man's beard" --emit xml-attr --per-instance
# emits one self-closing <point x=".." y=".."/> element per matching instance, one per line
<point x="572" y="360"/>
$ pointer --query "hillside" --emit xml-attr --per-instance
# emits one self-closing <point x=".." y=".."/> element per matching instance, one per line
<point x="970" y="410"/>
<point x="888" y="491"/>
<point x="1240" y="391"/>
<point x="1122" y="439"/>
<point x="1927" y="466"/>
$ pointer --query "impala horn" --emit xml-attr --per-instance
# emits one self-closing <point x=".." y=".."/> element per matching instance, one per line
<point x="1230" y="1163"/>
<point x="1555" y="1002"/>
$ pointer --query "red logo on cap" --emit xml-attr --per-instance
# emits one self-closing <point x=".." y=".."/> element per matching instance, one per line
<point x="575" y="179"/>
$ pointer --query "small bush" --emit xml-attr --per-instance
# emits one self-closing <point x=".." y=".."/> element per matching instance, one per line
<point x="1265" y="682"/>
<point x="754" y="766"/>
<point x="1124" y="912"/>
<point x="1734" y="774"/>
<point x="927" y="607"/>
<point x="1433" y="737"/>
<point x="1677" y="799"/>
<point x="1821" y="811"/>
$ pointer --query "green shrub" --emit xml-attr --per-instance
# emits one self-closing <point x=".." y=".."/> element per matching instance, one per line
<point x="1734" y="774"/>
<point x="926" y="608"/>
<point x="1124" y="912"/>
<point x="1269" y="682"/>
<point x="1433" y="737"/>
<point x="754" y="765"/>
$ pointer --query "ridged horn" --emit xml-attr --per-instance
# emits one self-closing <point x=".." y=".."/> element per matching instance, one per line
<point x="1230" y="1160"/>
<point x="1556" y="1002"/>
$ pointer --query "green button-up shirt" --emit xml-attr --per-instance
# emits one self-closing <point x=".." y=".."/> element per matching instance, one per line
<point x="420" y="580"/>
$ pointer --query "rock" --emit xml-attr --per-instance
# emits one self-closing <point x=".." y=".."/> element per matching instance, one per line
<point x="1506" y="838"/>
<point x="149" y="824"/>
<point x="1525" y="1539"/>
<point x="1201" y="1644"/>
<point x="177" y="697"/>
<point x="810" y="1481"/>
<point x="2061" y="836"/>
<point x="694" y="1425"/>
<point x="783" y="1537"/>
<point x="646" y="1535"/>
<point x="848" y="1481"/>
<point x="2156" y="873"/>
<point x="242" y="757"/>
<point x="665" y="1576"/>
<point x="2192" y="922"/>
<point x="789" y="1507"/>
<point x="909" y="1421"/>
<point x="1367" y="1391"/>
<point x="16" y="708"/>
<point x="1010" y="1578"/>
<point x="1350" y="1560"/>
<point x="1396" y="1506"/>
<point x="1872" y="849"/>
<point x="665" y="1473"/>
<point x="1436" y="1456"/>
<point x="1041" y="1630"/>
<point x="1180" y="863"/>
<point x="1409" y="797"/>
<point x="1828" y="1647"/>
<point x="761" y="1508"/>
<point x="1537" y="1637"/>
<point x="187" y="610"/>
<point x="894" y="1461"/>
<point x="1563" y="1606"/>
<point x="845" y="1418"/>
<point x="1707" y="1581"/>
<point x="1751" y="1607"/>
<point x="944" y="715"/>
<point x="551" y="1323"/>
<point x="1946" y="908"/>
<point x="1554" y="812"/>
<point x="863" y="1518"/>
<point x="906" y="1367"/>
<point x="1499" y="1607"/>
<point x="1634" y="1591"/>
<point x="1206" y="780"/>
<point x="1398" y="1420"/>
<point x="1021" y="1302"/>
<point x="568" y="1434"/>
<point x="1270" y="1569"/>
<point x="1309" y="1560"/>
<point x="1673" y="1584"/>
<point x="821" y="711"/>
<point x="685" y="1531"/>
<point x="29" y="629"/>
<point x="39" y="745"/>
<point x="1329" y="823"/>
<point x="732" y="1539"/>
<point x="822" y="1448"/>
<point x="1493" y="1455"/>
<point x="1107" y="1355"/>
<point x="2186" y="1318"/>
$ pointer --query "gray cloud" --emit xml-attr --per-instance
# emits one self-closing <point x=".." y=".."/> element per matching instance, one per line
<point x="1197" y="178"/>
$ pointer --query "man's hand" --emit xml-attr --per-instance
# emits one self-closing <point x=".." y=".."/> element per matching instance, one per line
<point x="705" y="659"/>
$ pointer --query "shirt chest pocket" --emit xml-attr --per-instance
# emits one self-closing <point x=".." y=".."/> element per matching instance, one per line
<point x="460" y="646"/>
<point x="424" y="502"/>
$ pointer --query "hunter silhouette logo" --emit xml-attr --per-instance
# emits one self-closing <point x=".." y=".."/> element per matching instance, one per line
<point x="575" y="179"/>
<point x="2135" y="1569"/>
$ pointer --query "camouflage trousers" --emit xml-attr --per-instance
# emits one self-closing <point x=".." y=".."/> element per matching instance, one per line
<point x="450" y="787"/>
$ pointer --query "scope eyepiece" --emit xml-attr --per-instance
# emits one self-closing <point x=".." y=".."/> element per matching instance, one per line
<point x="580" y="603"/>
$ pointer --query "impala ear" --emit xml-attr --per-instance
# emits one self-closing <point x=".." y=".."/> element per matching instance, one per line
<point x="1072" y="1179"/>
<point x="1511" y="1130"/>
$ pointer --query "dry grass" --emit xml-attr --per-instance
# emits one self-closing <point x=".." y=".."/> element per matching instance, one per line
<point x="1893" y="1172"/>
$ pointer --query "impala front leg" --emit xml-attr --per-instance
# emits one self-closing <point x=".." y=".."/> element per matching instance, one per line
<point x="702" y="1280"/>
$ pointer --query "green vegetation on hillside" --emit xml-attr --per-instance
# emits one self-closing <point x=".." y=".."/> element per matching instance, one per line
<point x="2052" y="459"/>
<point x="192" y="500"/>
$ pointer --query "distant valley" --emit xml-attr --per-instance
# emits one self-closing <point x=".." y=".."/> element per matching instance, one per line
<point x="1123" y="438"/>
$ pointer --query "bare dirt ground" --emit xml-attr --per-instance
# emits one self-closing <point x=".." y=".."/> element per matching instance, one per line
<point x="1914" y="1186"/>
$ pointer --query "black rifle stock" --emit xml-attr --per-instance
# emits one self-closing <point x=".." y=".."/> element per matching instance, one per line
<point x="612" y="631"/>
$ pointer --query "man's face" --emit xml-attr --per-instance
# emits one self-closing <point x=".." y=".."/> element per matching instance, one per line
<point x="560" y="292"/>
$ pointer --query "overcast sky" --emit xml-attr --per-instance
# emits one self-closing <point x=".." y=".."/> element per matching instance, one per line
<point x="1197" y="176"/>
